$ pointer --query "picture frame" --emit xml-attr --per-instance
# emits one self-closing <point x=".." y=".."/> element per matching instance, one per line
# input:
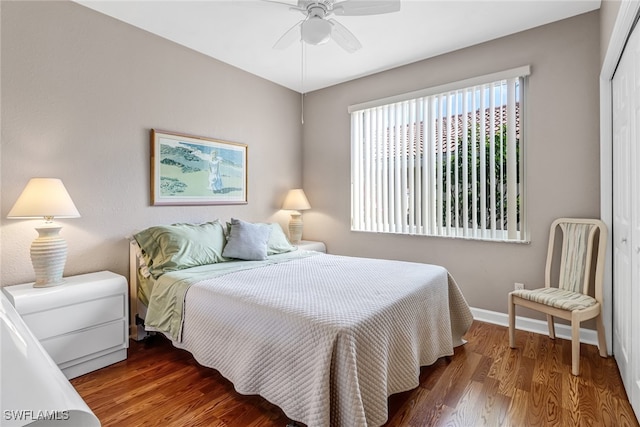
<point x="194" y="170"/>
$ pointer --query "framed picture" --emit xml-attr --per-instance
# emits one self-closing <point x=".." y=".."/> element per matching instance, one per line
<point x="194" y="170"/>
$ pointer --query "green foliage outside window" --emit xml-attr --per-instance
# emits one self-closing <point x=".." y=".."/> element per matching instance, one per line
<point x="456" y="166"/>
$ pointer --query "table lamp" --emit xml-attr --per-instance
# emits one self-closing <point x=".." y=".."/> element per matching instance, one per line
<point x="46" y="198"/>
<point x="295" y="201"/>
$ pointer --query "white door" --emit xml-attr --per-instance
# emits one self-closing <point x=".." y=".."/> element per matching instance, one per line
<point x="626" y="218"/>
<point x="632" y="61"/>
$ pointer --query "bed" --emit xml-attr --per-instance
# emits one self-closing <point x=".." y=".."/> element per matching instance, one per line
<point x="326" y="338"/>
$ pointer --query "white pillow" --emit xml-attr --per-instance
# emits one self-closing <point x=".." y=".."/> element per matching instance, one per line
<point x="247" y="241"/>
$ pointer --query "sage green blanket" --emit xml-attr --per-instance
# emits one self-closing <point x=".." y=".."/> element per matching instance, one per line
<point x="165" y="311"/>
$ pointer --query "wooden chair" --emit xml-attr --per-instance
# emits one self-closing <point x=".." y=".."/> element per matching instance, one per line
<point x="569" y="298"/>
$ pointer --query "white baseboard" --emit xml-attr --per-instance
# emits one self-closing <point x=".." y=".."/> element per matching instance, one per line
<point x="587" y="336"/>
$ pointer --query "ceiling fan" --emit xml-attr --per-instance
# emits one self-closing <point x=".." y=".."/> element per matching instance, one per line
<point x="316" y="29"/>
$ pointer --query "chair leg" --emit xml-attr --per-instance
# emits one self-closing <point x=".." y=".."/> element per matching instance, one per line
<point x="512" y="323"/>
<point x="575" y="346"/>
<point x="552" y="328"/>
<point x="602" y="341"/>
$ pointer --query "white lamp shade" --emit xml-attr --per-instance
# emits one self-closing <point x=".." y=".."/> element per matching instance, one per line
<point x="44" y="198"/>
<point x="296" y="200"/>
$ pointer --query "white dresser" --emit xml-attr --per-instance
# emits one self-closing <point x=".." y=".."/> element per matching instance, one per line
<point x="82" y="323"/>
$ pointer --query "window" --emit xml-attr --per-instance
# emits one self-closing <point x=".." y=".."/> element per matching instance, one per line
<point x="445" y="161"/>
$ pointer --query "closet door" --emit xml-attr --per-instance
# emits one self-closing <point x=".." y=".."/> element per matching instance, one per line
<point x="633" y="62"/>
<point x="626" y="218"/>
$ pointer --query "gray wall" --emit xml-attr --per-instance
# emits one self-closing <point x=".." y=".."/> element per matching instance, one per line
<point x="80" y="92"/>
<point x="562" y="154"/>
<point x="608" y="13"/>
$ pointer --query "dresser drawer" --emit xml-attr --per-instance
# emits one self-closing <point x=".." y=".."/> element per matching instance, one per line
<point x="61" y="320"/>
<point x="88" y="341"/>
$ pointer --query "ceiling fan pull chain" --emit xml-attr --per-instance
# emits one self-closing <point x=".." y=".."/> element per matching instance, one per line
<point x="302" y="71"/>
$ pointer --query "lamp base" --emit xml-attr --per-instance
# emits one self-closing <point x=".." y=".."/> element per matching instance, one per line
<point x="48" y="256"/>
<point x="295" y="227"/>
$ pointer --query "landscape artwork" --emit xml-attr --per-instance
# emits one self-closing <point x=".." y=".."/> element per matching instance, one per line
<point x="193" y="170"/>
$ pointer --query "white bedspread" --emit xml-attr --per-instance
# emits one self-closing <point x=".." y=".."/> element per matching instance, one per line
<point x="326" y="338"/>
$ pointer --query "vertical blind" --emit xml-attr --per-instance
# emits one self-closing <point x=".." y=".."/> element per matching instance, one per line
<point x="445" y="161"/>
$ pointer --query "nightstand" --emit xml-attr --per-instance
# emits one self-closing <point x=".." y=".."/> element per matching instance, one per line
<point x="309" y="245"/>
<point x="82" y="323"/>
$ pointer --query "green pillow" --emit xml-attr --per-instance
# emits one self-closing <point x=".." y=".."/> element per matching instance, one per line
<point x="179" y="246"/>
<point x="278" y="242"/>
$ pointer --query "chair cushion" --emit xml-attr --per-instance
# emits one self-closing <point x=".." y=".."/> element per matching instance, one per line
<point x="558" y="298"/>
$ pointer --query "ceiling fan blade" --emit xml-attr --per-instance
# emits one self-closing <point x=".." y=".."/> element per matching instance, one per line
<point x="366" y="7"/>
<point x="292" y="35"/>
<point x="344" y="37"/>
<point x="291" y="3"/>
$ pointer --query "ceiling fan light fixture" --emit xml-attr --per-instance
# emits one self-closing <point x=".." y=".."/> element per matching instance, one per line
<point x="318" y="26"/>
<point x="316" y="30"/>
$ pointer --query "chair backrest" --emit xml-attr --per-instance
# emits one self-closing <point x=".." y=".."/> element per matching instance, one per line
<point x="576" y="259"/>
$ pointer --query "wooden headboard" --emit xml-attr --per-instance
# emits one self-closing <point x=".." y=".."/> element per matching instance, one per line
<point x="137" y="310"/>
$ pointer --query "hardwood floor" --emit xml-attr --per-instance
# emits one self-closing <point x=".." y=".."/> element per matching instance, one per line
<point x="484" y="384"/>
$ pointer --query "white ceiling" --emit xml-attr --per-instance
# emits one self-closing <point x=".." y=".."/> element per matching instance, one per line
<point x="242" y="33"/>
